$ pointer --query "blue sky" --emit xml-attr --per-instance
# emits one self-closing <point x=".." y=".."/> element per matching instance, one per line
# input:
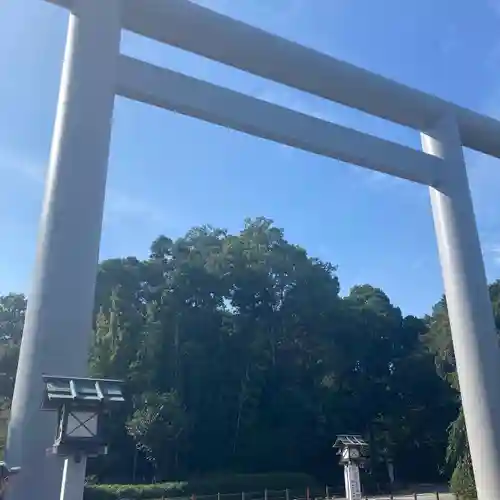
<point x="168" y="173"/>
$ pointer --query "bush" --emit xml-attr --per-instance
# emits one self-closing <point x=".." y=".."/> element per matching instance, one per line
<point x="211" y="485"/>
<point x="134" y="491"/>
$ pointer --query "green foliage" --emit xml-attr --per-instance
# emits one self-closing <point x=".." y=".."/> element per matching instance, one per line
<point x="240" y="355"/>
<point x="3" y="432"/>
<point x="12" y="309"/>
<point x="462" y="480"/>
<point x="221" y="483"/>
<point x="151" y="491"/>
<point x="439" y="341"/>
<point x="159" y="421"/>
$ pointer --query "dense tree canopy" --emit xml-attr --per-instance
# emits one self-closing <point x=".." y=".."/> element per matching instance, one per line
<point x="240" y="355"/>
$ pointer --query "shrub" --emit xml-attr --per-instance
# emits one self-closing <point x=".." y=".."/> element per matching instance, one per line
<point x="210" y="485"/>
<point x="143" y="491"/>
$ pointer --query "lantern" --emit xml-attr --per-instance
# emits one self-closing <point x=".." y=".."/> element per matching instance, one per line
<point x="351" y="448"/>
<point x="80" y="403"/>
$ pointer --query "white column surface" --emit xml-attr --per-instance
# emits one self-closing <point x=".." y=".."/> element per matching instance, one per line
<point x="472" y="324"/>
<point x="57" y="329"/>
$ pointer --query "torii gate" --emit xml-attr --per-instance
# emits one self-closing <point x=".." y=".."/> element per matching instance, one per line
<point x="58" y="320"/>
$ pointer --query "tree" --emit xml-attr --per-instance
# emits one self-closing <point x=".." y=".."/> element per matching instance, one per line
<point x="12" y="311"/>
<point x="239" y="354"/>
<point x="391" y="388"/>
<point x="158" y="427"/>
<point x="439" y="342"/>
<point x="251" y="336"/>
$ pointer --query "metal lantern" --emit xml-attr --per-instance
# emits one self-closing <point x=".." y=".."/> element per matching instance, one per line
<point x="352" y="447"/>
<point x="80" y="402"/>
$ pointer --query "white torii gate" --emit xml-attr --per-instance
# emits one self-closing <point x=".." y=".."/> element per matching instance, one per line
<point x="58" y="320"/>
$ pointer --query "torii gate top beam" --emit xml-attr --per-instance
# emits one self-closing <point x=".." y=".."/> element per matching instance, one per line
<point x="184" y="24"/>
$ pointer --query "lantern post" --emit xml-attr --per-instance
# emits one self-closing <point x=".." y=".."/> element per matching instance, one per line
<point x="352" y="449"/>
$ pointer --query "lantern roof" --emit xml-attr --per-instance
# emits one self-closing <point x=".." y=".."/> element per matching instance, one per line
<point x="80" y="392"/>
<point x="349" y="440"/>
